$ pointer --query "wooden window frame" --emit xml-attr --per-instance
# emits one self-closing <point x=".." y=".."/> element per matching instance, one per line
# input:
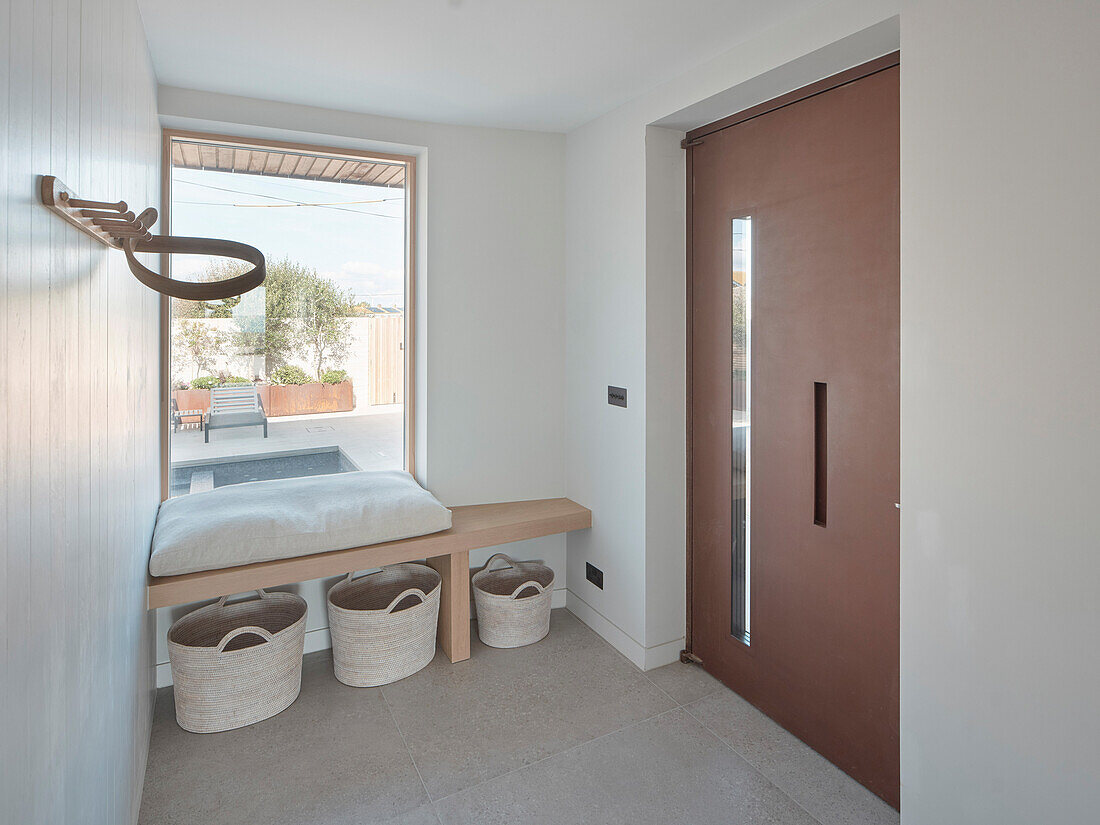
<point x="167" y="136"/>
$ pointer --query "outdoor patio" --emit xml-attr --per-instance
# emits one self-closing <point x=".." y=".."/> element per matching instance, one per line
<point x="370" y="440"/>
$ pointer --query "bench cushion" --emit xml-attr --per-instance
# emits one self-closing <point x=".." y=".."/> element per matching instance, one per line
<point x="267" y="520"/>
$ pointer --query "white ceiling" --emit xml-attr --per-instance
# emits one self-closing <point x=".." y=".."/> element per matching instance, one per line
<point x="528" y="64"/>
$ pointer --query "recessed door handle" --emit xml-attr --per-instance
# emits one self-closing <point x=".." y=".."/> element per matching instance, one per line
<point x="821" y="452"/>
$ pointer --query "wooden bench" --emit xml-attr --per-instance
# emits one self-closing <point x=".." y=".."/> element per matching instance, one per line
<point x="448" y="552"/>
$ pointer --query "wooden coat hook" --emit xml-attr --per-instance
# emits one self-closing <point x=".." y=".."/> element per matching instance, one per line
<point x="114" y="225"/>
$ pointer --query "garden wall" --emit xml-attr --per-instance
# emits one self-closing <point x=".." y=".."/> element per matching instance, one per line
<point x="375" y="363"/>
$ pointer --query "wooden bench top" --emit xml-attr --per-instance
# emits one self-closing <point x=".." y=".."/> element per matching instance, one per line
<point x="472" y="527"/>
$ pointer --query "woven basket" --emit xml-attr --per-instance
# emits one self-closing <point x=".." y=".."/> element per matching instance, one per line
<point x="383" y="624"/>
<point x="235" y="664"/>
<point x="513" y="603"/>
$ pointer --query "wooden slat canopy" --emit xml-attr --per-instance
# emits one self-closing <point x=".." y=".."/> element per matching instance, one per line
<point x="472" y="527"/>
<point x="285" y="163"/>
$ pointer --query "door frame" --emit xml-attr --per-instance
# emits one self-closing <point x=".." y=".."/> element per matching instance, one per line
<point x="168" y="134"/>
<point x="693" y="138"/>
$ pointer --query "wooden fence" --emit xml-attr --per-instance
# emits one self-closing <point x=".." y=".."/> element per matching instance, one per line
<point x="386" y="353"/>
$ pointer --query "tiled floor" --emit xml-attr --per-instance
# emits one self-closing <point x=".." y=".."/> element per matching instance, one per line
<point x="564" y="731"/>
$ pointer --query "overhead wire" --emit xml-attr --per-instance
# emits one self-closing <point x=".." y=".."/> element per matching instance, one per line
<point x="287" y="202"/>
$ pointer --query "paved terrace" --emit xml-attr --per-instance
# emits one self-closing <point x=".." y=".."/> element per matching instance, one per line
<point x="371" y="437"/>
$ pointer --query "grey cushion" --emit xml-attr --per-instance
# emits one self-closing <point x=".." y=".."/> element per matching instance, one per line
<point x="266" y="520"/>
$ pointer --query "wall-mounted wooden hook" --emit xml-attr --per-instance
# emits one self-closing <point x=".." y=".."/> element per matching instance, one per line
<point x="78" y="203"/>
<point x="62" y="201"/>
<point x="114" y="225"/>
<point x="99" y="213"/>
<point x="147" y="218"/>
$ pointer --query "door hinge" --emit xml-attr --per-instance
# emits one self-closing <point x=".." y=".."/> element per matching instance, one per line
<point x="687" y="144"/>
<point x="689" y="658"/>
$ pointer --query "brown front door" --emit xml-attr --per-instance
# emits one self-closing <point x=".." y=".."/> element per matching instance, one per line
<point x="795" y="428"/>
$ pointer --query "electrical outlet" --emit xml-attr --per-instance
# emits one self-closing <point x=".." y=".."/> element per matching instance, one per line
<point x="593" y="574"/>
<point x="616" y="396"/>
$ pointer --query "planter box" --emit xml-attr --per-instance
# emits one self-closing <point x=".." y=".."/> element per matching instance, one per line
<point x="305" y="399"/>
<point x="192" y="399"/>
<point x="292" y="399"/>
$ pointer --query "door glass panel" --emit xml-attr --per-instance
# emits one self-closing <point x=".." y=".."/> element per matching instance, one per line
<point x="741" y="349"/>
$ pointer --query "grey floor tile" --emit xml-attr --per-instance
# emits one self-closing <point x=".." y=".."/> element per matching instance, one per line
<point x="833" y="797"/>
<point x="565" y="730"/>
<point x="664" y="770"/>
<point x="684" y="683"/>
<point x="424" y="815"/>
<point x="333" y="757"/>
<point x="502" y="709"/>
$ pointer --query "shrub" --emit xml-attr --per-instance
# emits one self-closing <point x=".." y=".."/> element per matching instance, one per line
<point x="334" y="376"/>
<point x="290" y="375"/>
<point x="180" y="385"/>
<point x="234" y="380"/>
<point x="205" y="382"/>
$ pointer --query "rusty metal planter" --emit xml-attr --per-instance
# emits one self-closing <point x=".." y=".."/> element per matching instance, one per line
<point x="305" y="399"/>
<point x="192" y="399"/>
<point x="290" y="399"/>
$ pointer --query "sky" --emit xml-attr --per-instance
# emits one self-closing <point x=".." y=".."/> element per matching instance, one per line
<point x="359" y="245"/>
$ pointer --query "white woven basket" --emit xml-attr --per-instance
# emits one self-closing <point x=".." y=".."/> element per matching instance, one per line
<point x="383" y="624"/>
<point x="235" y="664"/>
<point x="513" y="603"/>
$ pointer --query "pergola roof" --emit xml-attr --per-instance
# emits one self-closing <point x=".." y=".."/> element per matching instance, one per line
<point x="187" y="154"/>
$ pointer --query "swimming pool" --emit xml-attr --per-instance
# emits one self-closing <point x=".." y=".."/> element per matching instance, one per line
<point x="193" y="478"/>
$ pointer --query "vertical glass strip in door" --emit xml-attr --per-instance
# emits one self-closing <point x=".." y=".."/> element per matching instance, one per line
<point x="741" y="360"/>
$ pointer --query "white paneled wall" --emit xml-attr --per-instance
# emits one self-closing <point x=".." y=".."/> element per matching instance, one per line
<point x="78" y="416"/>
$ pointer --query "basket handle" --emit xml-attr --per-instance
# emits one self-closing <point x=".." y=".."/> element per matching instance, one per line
<point x="412" y="591"/>
<point x="349" y="576"/>
<point x="496" y="556"/>
<point x="240" y="631"/>
<point x="263" y="594"/>
<point x="524" y="586"/>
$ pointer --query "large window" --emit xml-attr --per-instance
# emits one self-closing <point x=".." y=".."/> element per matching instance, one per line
<point x="308" y="374"/>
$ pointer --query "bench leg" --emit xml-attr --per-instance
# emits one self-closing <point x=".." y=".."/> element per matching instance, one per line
<point x="454" y="604"/>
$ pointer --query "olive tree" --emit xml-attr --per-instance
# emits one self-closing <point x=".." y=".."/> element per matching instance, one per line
<point x="323" y="323"/>
<point x="304" y="316"/>
<point x="198" y="343"/>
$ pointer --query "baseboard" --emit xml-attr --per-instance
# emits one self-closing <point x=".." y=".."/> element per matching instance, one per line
<point x="644" y="658"/>
<point x="319" y="639"/>
<point x="618" y="638"/>
<point x="664" y="654"/>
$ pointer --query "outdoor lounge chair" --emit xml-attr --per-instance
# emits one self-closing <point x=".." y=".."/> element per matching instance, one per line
<point x="178" y="416"/>
<point x="234" y="406"/>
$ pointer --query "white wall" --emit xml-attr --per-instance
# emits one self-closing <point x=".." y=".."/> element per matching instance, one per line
<point x="625" y="315"/>
<point x="1000" y="669"/>
<point x="666" y="390"/>
<point x="79" y="407"/>
<point x="490" y="301"/>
